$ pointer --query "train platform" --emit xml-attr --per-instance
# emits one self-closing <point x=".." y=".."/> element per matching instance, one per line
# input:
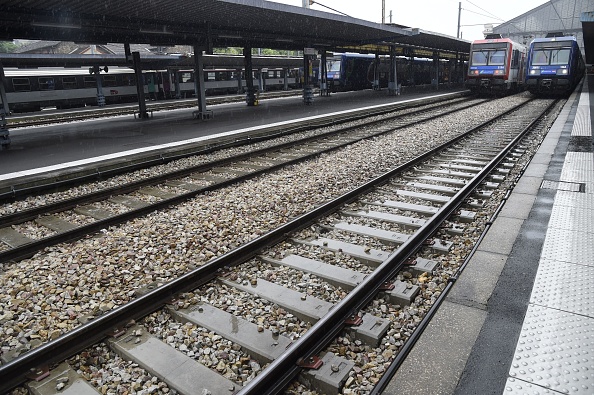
<point x="520" y="318"/>
<point x="41" y="149"/>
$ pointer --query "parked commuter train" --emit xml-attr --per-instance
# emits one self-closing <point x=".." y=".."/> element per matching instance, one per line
<point x="358" y="71"/>
<point x="555" y="65"/>
<point x="33" y="89"/>
<point x="497" y="65"/>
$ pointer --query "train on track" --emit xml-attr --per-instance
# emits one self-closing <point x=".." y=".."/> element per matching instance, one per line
<point x="497" y="65"/>
<point x="351" y="71"/>
<point x="33" y="89"/>
<point x="555" y="65"/>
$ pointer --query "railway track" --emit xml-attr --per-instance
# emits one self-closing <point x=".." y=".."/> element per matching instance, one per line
<point x="370" y="270"/>
<point x="76" y="217"/>
<point x="26" y="120"/>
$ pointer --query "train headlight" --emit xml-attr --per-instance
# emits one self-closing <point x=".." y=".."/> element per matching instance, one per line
<point x="534" y="72"/>
<point x="499" y="72"/>
<point x="562" y="71"/>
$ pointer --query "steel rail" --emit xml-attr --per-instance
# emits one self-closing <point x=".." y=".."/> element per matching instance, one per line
<point x="29" y="249"/>
<point x="284" y="368"/>
<point x="279" y="131"/>
<point x="15" y="372"/>
<point x="416" y="335"/>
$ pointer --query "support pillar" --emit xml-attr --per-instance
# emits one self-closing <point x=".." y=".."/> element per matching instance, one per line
<point x="239" y="83"/>
<point x="4" y="134"/>
<point x="199" y="87"/>
<point x="142" y="114"/>
<point x="376" y="64"/>
<point x="286" y="80"/>
<point x="456" y="77"/>
<point x="393" y="84"/>
<point x="3" y="97"/>
<point x="176" y="74"/>
<point x="100" y="96"/>
<point x="307" y="77"/>
<point x="250" y="97"/>
<point x="261" y="87"/>
<point x="436" y="69"/>
<point x="324" y="91"/>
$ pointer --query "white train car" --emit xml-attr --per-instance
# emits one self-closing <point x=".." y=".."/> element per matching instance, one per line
<point x="34" y="89"/>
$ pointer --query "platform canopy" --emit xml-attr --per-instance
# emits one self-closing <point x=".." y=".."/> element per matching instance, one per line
<point x="206" y="24"/>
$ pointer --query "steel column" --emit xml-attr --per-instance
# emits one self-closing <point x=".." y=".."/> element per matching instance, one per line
<point x="142" y="114"/>
<point x="393" y="84"/>
<point x="239" y="83"/>
<point x="286" y="81"/>
<point x="376" y="62"/>
<point x="324" y="91"/>
<point x="307" y="74"/>
<point x="436" y="64"/>
<point x="249" y="78"/>
<point x="199" y="83"/>
<point x="3" y="97"/>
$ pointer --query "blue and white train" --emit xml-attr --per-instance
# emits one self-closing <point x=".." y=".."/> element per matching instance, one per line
<point x="555" y="65"/>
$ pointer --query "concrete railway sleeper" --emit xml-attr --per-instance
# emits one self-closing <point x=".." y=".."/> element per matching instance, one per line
<point x="27" y="231"/>
<point x="359" y="258"/>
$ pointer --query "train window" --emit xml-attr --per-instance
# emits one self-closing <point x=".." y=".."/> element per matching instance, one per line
<point x="186" y="77"/>
<point x="69" y="83"/>
<point x="21" y="84"/>
<point x="540" y="57"/>
<point x="210" y="76"/>
<point x="479" y="58"/>
<point x="46" y="83"/>
<point x="129" y="80"/>
<point x="560" y="56"/>
<point x="109" y="80"/>
<point x="333" y="65"/>
<point x="515" y="59"/>
<point x="496" y="57"/>
<point x="89" y="82"/>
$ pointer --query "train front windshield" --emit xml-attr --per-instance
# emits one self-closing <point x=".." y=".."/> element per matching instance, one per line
<point x="544" y="55"/>
<point x="488" y="55"/>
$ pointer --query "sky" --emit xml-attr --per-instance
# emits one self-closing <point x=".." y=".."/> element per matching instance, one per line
<point x="439" y="16"/>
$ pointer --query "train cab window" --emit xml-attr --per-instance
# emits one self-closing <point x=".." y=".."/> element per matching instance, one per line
<point x="109" y="80"/>
<point x="479" y="58"/>
<point x="496" y="57"/>
<point x="69" y="83"/>
<point x="46" y="84"/>
<point x="560" y="56"/>
<point x="21" y="84"/>
<point x="89" y="82"/>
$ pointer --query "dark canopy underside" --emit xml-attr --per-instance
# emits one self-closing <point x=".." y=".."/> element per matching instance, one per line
<point x="207" y="24"/>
